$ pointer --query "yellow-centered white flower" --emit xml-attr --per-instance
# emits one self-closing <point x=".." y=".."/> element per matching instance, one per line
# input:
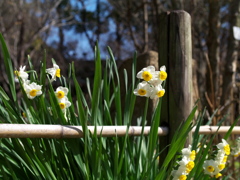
<point x="146" y="73"/>
<point x="61" y="92"/>
<point x="64" y="103"/>
<point x="54" y="72"/>
<point x="32" y="90"/>
<point x="210" y="167"/>
<point x="21" y="73"/>
<point x="157" y="91"/>
<point x="188" y="153"/>
<point x="179" y="174"/>
<point x="224" y="146"/>
<point x="162" y="73"/>
<point x="143" y="89"/>
<point x="236" y="150"/>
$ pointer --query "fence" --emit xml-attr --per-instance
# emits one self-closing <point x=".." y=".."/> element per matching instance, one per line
<point x="60" y="131"/>
<point x="175" y="52"/>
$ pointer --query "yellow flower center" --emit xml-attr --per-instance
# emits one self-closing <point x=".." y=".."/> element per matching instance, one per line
<point x="190" y="165"/>
<point x="24" y="115"/>
<point x="224" y="159"/>
<point x="60" y="94"/>
<point x="160" y="93"/>
<point x="147" y="76"/>
<point x="142" y="92"/>
<point x="221" y="166"/>
<point x="58" y="73"/>
<point x="193" y="155"/>
<point x="162" y="75"/>
<point x="218" y="175"/>
<point x="210" y="168"/>
<point x="227" y="149"/>
<point x="16" y="73"/>
<point x="182" y="177"/>
<point x="33" y="92"/>
<point x="62" y="105"/>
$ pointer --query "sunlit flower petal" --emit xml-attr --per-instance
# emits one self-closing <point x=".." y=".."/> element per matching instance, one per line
<point x="210" y="167"/>
<point x="54" y="72"/>
<point x="224" y="146"/>
<point x="157" y="92"/>
<point x="32" y="90"/>
<point x="64" y="103"/>
<point x="21" y="73"/>
<point x="61" y="92"/>
<point x="143" y="89"/>
<point x="146" y="73"/>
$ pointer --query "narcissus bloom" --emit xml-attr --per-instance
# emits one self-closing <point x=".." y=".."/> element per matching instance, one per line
<point x="210" y="167"/>
<point x="32" y="90"/>
<point x="54" y="72"/>
<point x="162" y="73"/>
<point x="21" y="73"/>
<point x="151" y="86"/>
<point x="236" y="150"/>
<point x="179" y="175"/>
<point x="157" y="91"/>
<point x="64" y="103"/>
<point x="61" y="92"/>
<point x="224" y="146"/>
<point x="147" y="73"/>
<point x="143" y="89"/>
<point x="190" y="154"/>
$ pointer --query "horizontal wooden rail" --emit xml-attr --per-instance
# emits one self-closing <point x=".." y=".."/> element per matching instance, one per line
<point x="60" y="131"/>
<point x="214" y="129"/>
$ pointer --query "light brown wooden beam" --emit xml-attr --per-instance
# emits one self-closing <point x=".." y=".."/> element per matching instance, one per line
<point x="60" y="131"/>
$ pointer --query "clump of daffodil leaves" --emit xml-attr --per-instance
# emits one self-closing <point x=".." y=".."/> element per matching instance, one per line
<point x="32" y="89"/>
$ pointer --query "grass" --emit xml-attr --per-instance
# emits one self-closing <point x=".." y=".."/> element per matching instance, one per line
<point x="91" y="157"/>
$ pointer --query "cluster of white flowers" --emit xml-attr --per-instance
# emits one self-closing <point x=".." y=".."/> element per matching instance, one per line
<point x="152" y="84"/>
<point x="32" y="89"/>
<point x="236" y="150"/>
<point x="61" y="94"/>
<point x="213" y="167"/>
<point x="185" y="165"/>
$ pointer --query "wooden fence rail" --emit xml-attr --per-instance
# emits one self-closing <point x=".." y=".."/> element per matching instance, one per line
<point x="60" y="131"/>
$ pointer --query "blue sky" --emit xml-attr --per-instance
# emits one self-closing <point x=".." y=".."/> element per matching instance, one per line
<point x="83" y="44"/>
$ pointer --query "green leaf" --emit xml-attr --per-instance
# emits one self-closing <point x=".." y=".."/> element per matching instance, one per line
<point x="8" y="67"/>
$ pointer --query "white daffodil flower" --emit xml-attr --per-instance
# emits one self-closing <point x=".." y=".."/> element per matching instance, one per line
<point x="32" y="90"/>
<point x="61" y="92"/>
<point x="210" y="167"/>
<point x="178" y="174"/>
<point x="64" y="103"/>
<point x="21" y="74"/>
<point x="236" y="150"/>
<point x="54" y="72"/>
<point x="143" y="89"/>
<point x="224" y="146"/>
<point x="186" y="164"/>
<point x="188" y="153"/>
<point x="157" y="91"/>
<point x="161" y="75"/>
<point x="220" y="156"/>
<point x="146" y="73"/>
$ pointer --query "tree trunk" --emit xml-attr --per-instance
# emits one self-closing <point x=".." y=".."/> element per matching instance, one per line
<point x="213" y="74"/>
<point x="145" y="28"/>
<point x="227" y="99"/>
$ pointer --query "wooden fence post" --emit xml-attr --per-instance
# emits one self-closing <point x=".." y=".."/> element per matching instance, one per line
<point x="175" y="51"/>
